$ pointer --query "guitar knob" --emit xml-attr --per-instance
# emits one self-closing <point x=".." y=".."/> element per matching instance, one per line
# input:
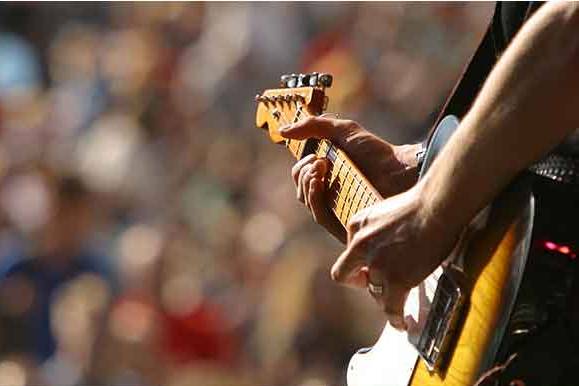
<point x="284" y="79"/>
<point x="325" y="80"/>
<point x="303" y="80"/>
<point x="292" y="81"/>
<point x="313" y="79"/>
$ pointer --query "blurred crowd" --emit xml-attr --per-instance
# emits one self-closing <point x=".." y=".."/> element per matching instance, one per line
<point x="149" y="234"/>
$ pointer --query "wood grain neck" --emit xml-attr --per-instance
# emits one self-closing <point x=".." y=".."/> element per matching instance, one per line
<point x="347" y="190"/>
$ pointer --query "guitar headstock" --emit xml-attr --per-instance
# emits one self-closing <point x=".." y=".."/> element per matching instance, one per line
<point x="298" y="96"/>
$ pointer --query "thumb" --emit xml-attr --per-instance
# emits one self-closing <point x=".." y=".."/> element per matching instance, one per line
<point x="316" y="127"/>
<point x="392" y="299"/>
<point x="350" y="269"/>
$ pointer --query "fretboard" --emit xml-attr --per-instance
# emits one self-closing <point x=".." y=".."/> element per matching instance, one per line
<point x="348" y="191"/>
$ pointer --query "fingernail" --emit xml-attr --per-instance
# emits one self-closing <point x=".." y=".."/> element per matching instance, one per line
<point x="285" y="128"/>
<point x="334" y="273"/>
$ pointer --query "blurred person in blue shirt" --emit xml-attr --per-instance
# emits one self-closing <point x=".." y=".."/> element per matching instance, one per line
<point x="29" y="281"/>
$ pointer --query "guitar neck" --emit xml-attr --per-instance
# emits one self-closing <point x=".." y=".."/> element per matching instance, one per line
<point x="347" y="190"/>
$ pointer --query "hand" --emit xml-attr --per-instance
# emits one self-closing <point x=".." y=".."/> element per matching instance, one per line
<point x="395" y="244"/>
<point x="391" y="169"/>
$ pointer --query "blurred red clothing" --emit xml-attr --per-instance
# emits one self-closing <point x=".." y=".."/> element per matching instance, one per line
<point x="204" y="333"/>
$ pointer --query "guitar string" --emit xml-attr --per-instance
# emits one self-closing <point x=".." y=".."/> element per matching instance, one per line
<point x="355" y="180"/>
<point x="340" y="196"/>
<point x="350" y="200"/>
<point x="371" y="199"/>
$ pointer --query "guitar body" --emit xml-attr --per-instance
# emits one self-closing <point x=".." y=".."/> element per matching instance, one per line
<point x="492" y="257"/>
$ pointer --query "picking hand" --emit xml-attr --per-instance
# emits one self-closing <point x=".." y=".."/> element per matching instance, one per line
<point x="394" y="245"/>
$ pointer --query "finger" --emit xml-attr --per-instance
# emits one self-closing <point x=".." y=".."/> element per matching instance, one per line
<point x="318" y="206"/>
<point x="357" y="222"/>
<point x="358" y="278"/>
<point x="300" y="191"/>
<point x="316" y="169"/>
<point x="348" y="267"/>
<point x="320" y="167"/>
<point x="321" y="211"/>
<point x="391" y="300"/>
<point x="299" y="165"/>
<point x="317" y="127"/>
<point x="305" y="181"/>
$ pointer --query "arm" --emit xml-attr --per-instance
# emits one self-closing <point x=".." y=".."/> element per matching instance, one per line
<point x="529" y="103"/>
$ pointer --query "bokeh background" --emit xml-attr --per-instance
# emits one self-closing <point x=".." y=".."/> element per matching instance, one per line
<point x="149" y="234"/>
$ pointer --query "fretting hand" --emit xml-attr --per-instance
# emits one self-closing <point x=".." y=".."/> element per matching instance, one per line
<point x="391" y="169"/>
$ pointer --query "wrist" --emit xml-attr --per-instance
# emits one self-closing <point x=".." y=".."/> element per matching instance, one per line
<point x="409" y="154"/>
<point x="438" y="209"/>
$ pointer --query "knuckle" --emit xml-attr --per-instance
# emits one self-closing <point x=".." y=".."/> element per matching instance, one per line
<point x="352" y="226"/>
<point x="349" y="125"/>
<point x="295" y="171"/>
<point x="303" y="170"/>
<point x="320" y="167"/>
<point x="308" y="121"/>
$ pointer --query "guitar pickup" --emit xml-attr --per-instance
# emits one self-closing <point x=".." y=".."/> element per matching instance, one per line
<point x="441" y="324"/>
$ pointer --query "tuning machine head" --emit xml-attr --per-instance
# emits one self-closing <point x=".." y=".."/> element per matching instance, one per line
<point x="313" y="79"/>
<point x="303" y="80"/>
<point x="325" y="80"/>
<point x="289" y="81"/>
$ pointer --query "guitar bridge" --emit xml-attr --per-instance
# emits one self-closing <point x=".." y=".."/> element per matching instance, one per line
<point x="441" y="324"/>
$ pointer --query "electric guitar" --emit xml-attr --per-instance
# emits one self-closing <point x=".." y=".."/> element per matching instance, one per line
<point x="462" y="309"/>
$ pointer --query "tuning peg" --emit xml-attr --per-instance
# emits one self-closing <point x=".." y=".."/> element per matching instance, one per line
<point x="313" y="79"/>
<point x="292" y="81"/>
<point x="325" y="80"/>
<point x="303" y="80"/>
<point x="285" y="78"/>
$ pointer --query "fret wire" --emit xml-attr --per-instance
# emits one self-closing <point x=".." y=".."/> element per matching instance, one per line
<point x="366" y="204"/>
<point x="365" y="197"/>
<point x="333" y="153"/>
<point x="346" y="194"/>
<point x="349" y="189"/>
<point x="340" y="208"/>
<point x="358" y="182"/>
<point x="293" y="145"/>
<point x="355" y="176"/>
<point x="358" y="202"/>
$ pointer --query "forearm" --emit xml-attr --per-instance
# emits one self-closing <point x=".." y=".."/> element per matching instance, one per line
<point x="529" y="103"/>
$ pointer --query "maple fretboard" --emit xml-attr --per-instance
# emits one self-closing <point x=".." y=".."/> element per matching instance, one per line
<point x="348" y="190"/>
